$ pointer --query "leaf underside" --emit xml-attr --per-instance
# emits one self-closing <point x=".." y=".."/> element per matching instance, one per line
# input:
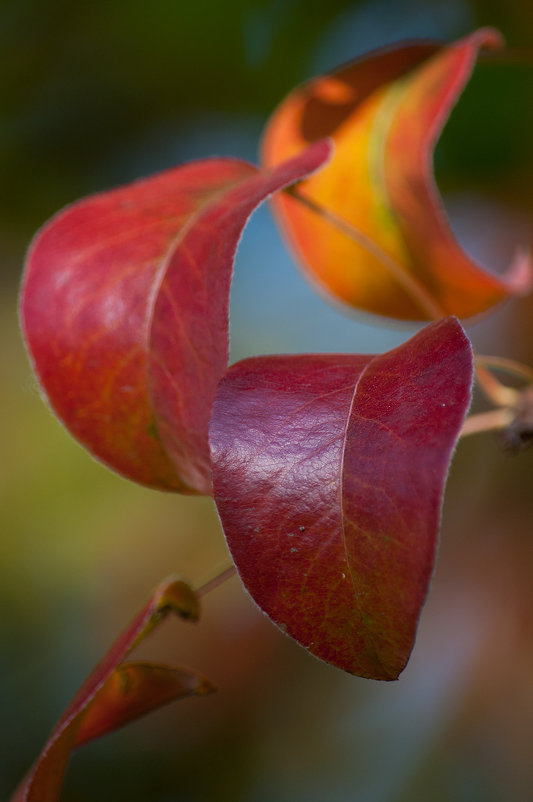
<point x="384" y="245"/>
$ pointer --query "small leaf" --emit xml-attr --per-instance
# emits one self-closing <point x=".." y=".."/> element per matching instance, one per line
<point x="372" y="231"/>
<point x="125" y="312"/>
<point x="329" y="472"/>
<point x="133" y="690"/>
<point x="115" y="694"/>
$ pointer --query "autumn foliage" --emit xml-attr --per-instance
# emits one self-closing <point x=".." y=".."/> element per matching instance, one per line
<point x="328" y="471"/>
<point x="385" y="113"/>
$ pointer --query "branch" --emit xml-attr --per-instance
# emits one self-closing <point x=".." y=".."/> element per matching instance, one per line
<point x="494" y="420"/>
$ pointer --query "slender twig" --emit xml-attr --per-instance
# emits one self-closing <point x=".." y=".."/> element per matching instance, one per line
<point x="414" y="288"/>
<point x="217" y="580"/>
<point x="517" y="369"/>
<point x="487" y="421"/>
<point x="494" y="390"/>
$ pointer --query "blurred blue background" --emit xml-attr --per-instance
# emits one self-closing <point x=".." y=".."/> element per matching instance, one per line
<point x="93" y="95"/>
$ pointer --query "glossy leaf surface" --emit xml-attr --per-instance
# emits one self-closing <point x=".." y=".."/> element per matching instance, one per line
<point x="329" y="473"/>
<point x="384" y="245"/>
<point x="125" y="312"/>
<point x="115" y="694"/>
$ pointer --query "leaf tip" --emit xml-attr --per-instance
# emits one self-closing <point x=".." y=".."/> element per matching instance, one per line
<point x="488" y="38"/>
<point x="175" y="595"/>
<point x="204" y="687"/>
<point x="519" y="277"/>
<point x="314" y="156"/>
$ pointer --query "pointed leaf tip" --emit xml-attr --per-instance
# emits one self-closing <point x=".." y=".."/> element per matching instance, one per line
<point x="175" y="595"/>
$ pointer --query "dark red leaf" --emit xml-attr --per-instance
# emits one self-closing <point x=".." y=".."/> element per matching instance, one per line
<point x="328" y="474"/>
<point x="114" y="694"/>
<point x="125" y="311"/>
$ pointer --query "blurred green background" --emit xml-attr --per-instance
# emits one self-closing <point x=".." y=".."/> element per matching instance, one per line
<point x="96" y="94"/>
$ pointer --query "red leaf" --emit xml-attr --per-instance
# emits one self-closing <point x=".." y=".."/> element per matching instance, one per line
<point x="328" y="474"/>
<point x="381" y="241"/>
<point x="133" y="690"/>
<point x="125" y="312"/>
<point x="114" y="694"/>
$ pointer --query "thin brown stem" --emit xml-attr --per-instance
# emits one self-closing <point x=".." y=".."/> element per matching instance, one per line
<point x="414" y="288"/>
<point x="487" y="421"/>
<point x="503" y="397"/>
<point x="217" y="580"/>
<point x="510" y="366"/>
<point x="494" y="390"/>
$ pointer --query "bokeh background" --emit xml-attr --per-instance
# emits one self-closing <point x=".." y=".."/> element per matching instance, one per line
<point x="96" y="94"/>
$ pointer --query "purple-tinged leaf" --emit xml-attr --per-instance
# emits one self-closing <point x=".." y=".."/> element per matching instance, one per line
<point x="329" y="474"/>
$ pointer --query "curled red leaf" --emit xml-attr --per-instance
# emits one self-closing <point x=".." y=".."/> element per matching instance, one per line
<point x="124" y="308"/>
